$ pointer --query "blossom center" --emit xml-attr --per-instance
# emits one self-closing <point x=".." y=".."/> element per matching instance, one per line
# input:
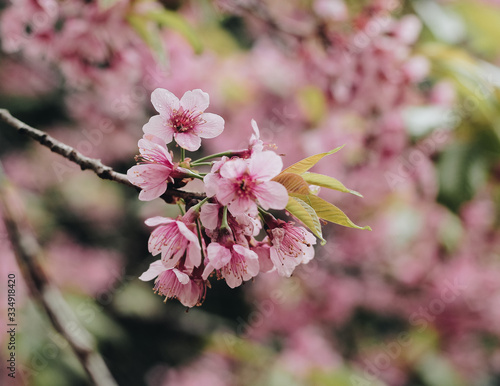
<point x="184" y="120"/>
<point x="245" y="186"/>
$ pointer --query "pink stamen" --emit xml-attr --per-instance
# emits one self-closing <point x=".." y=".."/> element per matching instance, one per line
<point x="184" y="120"/>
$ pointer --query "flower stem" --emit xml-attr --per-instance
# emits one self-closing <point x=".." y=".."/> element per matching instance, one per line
<point x="229" y="153"/>
<point x="202" y="163"/>
<point x="267" y="218"/>
<point x="199" y="239"/>
<point x="224" y="224"/>
<point x="183" y="212"/>
<point x="183" y="154"/>
<point x="198" y="205"/>
<point x="190" y="173"/>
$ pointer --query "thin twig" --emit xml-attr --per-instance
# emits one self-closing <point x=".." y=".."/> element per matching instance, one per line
<point x="28" y="254"/>
<point x="103" y="171"/>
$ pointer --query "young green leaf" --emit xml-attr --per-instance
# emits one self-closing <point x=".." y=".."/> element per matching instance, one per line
<point x="307" y="163"/>
<point x="293" y="183"/>
<point x="327" y="182"/>
<point x="327" y="211"/>
<point x="303" y="211"/>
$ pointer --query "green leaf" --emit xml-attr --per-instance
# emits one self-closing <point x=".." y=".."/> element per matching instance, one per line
<point x="175" y="21"/>
<point x="303" y="211"/>
<point x="293" y="183"/>
<point x="150" y="34"/>
<point x="327" y="182"/>
<point x="307" y="163"/>
<point x="327" y="211"/>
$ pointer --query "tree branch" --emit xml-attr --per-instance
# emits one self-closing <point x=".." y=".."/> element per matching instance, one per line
<point x="102" y="171"/>
<point x="28" y="254"/>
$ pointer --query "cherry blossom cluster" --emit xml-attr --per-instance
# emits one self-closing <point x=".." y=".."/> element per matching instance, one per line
<point x="216" y="236"/>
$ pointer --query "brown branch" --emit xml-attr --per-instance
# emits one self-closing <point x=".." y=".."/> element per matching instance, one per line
<point x="102" y="171"/>
<point x="28" y="254"/>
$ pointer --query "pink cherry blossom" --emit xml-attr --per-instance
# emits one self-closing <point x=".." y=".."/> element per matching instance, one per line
<point x="173" y="283"/>
<point x="234" y="263"/>
<point x="290" y="247"/>
<point x="246" y="182"/>
<point x="212" y="179"/>
<point x="256" y="145"/>
<point x="154" y="173"/>
<point x="173" y="239"/>
<point x="184" y="120"/>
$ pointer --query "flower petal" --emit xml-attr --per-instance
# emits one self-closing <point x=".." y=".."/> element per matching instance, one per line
<point x="158" y="128"/>
<point x="256" y="145"/>
<point x="233" y="280"/>
<point x="209" y="215"/>
<point x="164" y="101"/>
<point x="218" y="255"/>
<point x="154" y="270"/>
<point x="233" y="168"/>
<point x="265" y="263"/>
<point x="255" y="128"/>
<point x="286" y="265"/>
<point x="250" y="226"/>
<point x="271" y="194"/>
<point x="226" y="191"/>
<point x="207" y="271"/>
<point x="195" y="100"/>
<point x="265" y="165"/>
<point x="212" y="127"/>
<point x="248" y="254"/>
<point x="308" y="250"/>
<point x="154" y="148"/>
<point x="189" y="141"/>
<point x="242" y="205"/>
<point x="187" y="233"/>
<point x="190" y="295"/>
<point x="211" y="181"/>
<point x="193" y="256"/>
<point x="181" y="276"/>
<point x="157" y="220"/>
<point x="244" y="266"/>
<point x="152" y="138"/>
<point x="146" y="175"/>
<point x="151" y="194"/>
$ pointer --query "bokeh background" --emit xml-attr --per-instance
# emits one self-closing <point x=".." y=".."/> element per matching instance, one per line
<point x="412" y="90"/>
